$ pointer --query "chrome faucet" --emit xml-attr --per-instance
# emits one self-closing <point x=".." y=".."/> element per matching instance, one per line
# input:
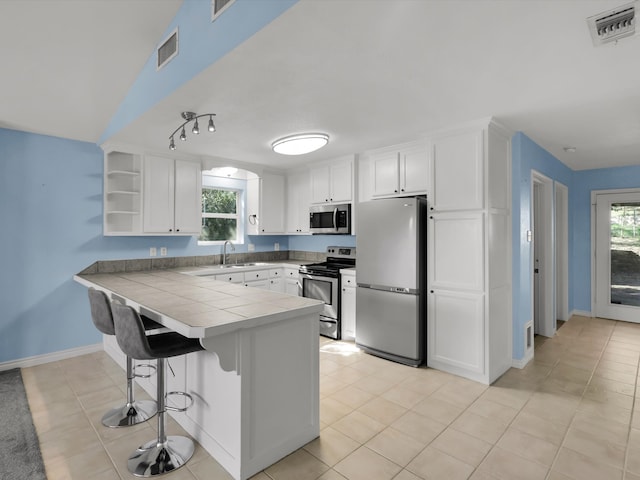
<point x="224" y="250"/>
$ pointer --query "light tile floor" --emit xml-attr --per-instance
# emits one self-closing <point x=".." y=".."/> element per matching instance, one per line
<point x="570" y="414"/>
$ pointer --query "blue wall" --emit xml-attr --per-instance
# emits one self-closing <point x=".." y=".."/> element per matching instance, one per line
<point x="585" y="181"/>
<point x="51" y="208"/>
<point x="528" y="156"/>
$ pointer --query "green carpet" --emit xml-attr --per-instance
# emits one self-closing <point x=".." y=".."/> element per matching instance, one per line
<point x="20" y="457"/>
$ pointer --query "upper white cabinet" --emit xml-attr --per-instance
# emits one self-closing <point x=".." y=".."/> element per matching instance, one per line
<point x="400" y="170"/>
<point x="266" y="204"/>
<point x="297" y="206"/>
<point x="333" y="182"/>
<point x="469" y="253"/>
<point x="458" y="171"/>
<point x="172" y="197"/>
<point x="122" y="193"/>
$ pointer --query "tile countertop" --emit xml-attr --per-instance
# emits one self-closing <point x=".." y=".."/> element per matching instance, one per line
<point x="197" y="306"/>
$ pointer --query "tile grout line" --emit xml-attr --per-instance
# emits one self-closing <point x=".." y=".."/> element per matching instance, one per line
<point x="555" y="458"/>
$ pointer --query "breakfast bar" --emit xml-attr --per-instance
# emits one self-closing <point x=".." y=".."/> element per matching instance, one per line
<point x="256" y="384"/>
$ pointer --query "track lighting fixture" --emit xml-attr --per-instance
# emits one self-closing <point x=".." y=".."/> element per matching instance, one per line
<point x="188" y="117"/>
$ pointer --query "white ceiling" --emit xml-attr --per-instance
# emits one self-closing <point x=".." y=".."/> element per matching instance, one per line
<point x="369" y="73"/>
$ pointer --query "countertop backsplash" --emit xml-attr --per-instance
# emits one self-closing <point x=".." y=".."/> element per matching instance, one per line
<point x="162" y="263"/>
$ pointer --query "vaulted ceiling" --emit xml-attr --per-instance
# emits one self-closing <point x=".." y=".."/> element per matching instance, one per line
<point x="368" y="73"/>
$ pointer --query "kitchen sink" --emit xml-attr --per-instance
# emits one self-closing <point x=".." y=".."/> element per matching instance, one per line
<point x="241" y="265"/>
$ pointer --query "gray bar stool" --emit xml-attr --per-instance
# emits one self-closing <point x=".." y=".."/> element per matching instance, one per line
<point x="163" y="454"/>
<point x="134" y="411"/>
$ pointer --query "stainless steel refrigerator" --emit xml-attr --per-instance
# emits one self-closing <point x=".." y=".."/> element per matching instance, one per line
<point x="391" y="274"/>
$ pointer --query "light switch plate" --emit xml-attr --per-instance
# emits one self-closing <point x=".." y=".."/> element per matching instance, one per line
<point x="163" y="251"/>
<point x="276" y="247"/>
<point x="251" y="247"/>
<point x="153" y="252"/>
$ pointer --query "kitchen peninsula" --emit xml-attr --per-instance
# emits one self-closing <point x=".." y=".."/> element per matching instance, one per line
<point x="256" y="384"/>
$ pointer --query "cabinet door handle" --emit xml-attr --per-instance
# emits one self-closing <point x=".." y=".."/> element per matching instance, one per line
<point x="395" y="191"/>
<point x="402" y="189"/>
<point x="171" y="229"/>
<point x="177" y="229"/>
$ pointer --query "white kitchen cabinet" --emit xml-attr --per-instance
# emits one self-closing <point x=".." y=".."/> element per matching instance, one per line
<point x="400" y="170"/>
<point x="297" y="205"/>
<point x="469" y="253"/>
<point x="348" y="304"/>
<point x="172" y="197"/>
<point x="291" y="280"/>
<point x="266" y="204"/>
<point x="122" y="193"/>
<point x="231" y="277"/>
<point x="458" y="171"/>
<point x="257" y="278"/>
<point x="276" y="280"/>
<point x="333" y="182"/>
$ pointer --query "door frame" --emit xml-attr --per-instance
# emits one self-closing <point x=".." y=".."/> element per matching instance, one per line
<point x="594" y="231"/>
<point x="546" y="245"/>
<point x="562" y="250"/>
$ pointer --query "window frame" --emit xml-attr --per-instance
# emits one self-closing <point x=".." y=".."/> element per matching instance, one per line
<point x="238" y="216"/>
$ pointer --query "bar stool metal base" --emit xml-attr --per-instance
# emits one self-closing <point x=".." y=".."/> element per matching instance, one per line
<point x="155" y="458"/>
<point x="130" y="414"/>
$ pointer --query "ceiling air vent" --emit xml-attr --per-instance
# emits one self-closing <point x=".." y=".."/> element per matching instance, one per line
<point x="219" y="6"/>
<point x="613" y="25"/>
<point x="168" y="49"/>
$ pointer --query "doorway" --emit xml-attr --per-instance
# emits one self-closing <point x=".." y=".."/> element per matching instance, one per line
<point x="543" y="268"/>
<point x="617" y="255"/>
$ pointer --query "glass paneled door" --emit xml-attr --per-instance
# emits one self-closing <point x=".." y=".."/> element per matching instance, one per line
<point x="618" y="256"/>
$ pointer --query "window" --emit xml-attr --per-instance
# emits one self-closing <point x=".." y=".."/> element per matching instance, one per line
<point x="220" y="216"/>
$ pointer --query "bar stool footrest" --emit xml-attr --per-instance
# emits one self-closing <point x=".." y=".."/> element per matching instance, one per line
<point x="152" y="370"/>
<point x="181" y="394"/>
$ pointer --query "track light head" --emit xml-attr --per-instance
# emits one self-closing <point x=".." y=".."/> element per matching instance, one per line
<point x="188" y="117"/>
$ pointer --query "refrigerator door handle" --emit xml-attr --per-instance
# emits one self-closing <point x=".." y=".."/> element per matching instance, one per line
<point x="386" y="288"/>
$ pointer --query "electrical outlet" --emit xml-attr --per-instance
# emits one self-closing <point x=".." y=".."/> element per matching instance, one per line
<point x="251" y="247"/>
<point x="276" y="247"/>
<point x="153" y="252"/>
<point x="163" y="251"/>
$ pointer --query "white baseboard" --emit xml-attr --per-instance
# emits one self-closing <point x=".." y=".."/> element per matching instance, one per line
<point x="522" y="362"/>
<point x="582" y="313"/>
<point x="50" y="357"/>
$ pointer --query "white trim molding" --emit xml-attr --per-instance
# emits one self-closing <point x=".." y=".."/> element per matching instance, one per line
<point x="50" y="357"/>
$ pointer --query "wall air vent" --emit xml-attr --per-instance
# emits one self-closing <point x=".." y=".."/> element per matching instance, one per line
<point x="168" y="49"/>
<point x="613" y="25"/>
<point x="219" y="6"/>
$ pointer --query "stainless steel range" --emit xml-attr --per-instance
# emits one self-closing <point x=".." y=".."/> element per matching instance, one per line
<point x="322" y="282"/>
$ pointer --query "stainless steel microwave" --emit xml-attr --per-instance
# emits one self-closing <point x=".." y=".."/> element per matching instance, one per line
<point x="330" y="219"/>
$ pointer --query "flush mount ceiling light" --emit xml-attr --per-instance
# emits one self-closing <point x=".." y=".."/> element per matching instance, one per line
<point x="188" y="117"/>
<point x="300" y="144"/>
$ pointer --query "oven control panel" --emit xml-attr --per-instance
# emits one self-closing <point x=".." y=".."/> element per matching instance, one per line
<point x="342" y="252"/>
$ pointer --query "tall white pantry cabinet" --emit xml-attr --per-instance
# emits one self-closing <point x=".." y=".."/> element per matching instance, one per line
<point x="469" y="255"/>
